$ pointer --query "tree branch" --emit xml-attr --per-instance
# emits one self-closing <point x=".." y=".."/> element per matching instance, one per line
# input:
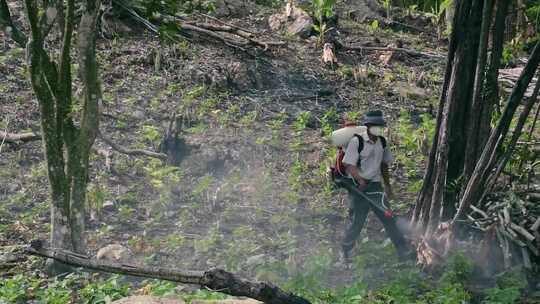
<point x="215" y="279"/>
<point x="392" y="49"/>
<point x="134" y="152"/>
<point x="9" y="27"/>
<point x="30" y="136"/>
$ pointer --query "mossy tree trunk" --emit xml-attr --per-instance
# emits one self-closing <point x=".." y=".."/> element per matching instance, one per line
<point x="67" y="144"/>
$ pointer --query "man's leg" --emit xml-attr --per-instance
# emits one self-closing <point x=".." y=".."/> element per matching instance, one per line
<point x="395" y="235"/>
<point x="358" y="212"/>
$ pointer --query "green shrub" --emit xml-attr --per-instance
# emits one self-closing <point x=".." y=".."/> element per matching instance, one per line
<point x="102" y="292"/>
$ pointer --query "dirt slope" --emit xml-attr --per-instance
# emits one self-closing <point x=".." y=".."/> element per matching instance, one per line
<point x="250" y="193"/>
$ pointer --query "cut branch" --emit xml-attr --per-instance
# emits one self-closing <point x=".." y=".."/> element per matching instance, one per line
<point x="215" y="279"/>
<point x="133" y="152"/>
<point x="18" y="137"/>
<point x="392" y="49"/>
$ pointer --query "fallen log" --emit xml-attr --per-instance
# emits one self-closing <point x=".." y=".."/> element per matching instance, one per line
<point x="18" y="137"/>
<point x="214" y="279"/>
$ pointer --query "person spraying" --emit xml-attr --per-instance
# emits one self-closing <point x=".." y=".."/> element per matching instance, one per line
<point x="362" y="168"/>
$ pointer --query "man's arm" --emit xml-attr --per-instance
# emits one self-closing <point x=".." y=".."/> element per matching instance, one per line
<point x="350" y="160"/>
<point x="353" y="171"/>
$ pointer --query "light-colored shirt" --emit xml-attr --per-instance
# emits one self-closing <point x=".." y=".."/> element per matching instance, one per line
<point x="372" y="156"/>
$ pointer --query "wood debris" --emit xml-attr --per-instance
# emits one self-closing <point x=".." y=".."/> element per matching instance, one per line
<point x="516" y="224"/>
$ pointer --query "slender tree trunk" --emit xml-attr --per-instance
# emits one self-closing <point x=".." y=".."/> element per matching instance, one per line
<point x="491" y="98"/>
<point x="89" y="123"/>
<point x="473" y="131"/>
<point x="423" y="202"/>
<point x="503" y="159"/>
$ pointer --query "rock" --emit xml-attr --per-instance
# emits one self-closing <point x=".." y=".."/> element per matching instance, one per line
<point x="409" y="91"/>
<point x="228" y="301"/>
<point x="233" y="8"/>
<point x="13" y="187"/>
<point x="148" y="300"/>
<point x="363" y="10"/>
<point x="295" y="21"/>
<point x="138" y="114"/>
<point x="108" y="206"/>
<point x="255" y="260"/>
<point x="115" y="253"/>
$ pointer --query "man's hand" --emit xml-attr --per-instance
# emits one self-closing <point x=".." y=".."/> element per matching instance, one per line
<point x="353" y="171"/>
<point x="362" y="183"/>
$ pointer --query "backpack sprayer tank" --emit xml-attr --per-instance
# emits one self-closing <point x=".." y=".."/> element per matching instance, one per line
<point x="341" y="137"/>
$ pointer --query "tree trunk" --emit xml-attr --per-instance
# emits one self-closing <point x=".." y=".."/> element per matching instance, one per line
<point x="53" y="89"/>
<point x="473" y="141"/>
<point x="423" y="202"/>
<point x="460" y="94"/>
<point x="491" y="98"/>
<point x="52" y="144"/>
<point x="489" y="154"/>
<point x="89" y="123"/>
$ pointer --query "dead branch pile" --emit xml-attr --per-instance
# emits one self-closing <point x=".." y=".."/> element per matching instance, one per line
<point x="509" y="77"/>
<point x="204" y="27"/>
<point x="514" y="224"/>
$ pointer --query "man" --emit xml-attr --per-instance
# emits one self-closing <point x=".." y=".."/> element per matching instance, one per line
<point x="366" y="162"/>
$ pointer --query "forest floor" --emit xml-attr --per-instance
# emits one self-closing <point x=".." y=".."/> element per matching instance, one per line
<point x="250" y="194"/>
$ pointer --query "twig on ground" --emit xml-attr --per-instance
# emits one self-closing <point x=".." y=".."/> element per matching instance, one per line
<point x="133" y="152"/>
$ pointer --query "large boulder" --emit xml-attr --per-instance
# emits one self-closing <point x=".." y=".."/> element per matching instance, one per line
<point x="293" y="21"/>
<point x="148" y="300"/>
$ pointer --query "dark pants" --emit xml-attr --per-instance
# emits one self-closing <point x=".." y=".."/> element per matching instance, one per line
<point x="359" y="209"/>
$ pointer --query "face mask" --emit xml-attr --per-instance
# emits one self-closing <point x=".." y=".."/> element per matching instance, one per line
<point x="376" y="130"/>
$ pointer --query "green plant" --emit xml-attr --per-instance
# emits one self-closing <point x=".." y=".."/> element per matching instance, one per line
<point x="302" y="121"/>
<point x="374" y="25"/>
<point x="211" y="240"/>
<point x="201" y="188"/>
<point x="160" y="288"/>
<point x="151" y="133"/>
<point x="102" y="292"/>
<point x="307" y="280"/>
<point x="14" y="290"/>
<point x="508" y="289"/>
<point x="387" y="5"/>
<point x="322" y="10"/>
<point x="329" y="121"/>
